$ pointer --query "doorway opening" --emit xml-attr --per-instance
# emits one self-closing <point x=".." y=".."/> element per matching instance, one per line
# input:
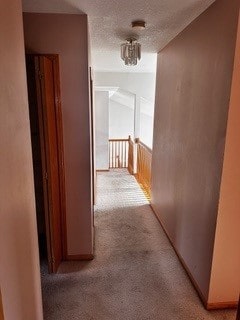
<point x="123" y="118"/>
<point x="47" y="150"/>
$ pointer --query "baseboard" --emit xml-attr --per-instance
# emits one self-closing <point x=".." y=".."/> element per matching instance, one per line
<point x="199" y="292"/>
<point x="208" y="306"/>
<point x="222" y="305"/>
<point x="102" y="170"/>
<point x="1" y="307"/>
<point x="79" y="257"/>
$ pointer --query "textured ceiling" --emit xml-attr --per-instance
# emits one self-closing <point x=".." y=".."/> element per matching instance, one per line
<point x="110" y="20"/>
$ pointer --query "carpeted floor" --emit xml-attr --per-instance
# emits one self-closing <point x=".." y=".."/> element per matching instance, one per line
<point x="135" y="274"/>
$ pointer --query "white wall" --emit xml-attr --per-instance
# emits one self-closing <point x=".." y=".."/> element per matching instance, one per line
<point x="121" y="115"/>
<point x="146" y="122"/>
<point x="110" y="61"/>
<point x="101" y="129"/>
<point x="141" y="84"/>
<point x="114" y="119"/>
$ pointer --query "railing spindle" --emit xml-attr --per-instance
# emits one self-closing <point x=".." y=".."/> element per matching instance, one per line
<point x="114" y="154"/>
<point x="118" y="153"/>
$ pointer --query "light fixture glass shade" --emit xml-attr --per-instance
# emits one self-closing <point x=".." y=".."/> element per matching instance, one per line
<point x="131" y="52"/>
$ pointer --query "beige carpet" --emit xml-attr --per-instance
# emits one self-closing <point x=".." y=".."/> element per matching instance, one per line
<point x="135" y="274"/>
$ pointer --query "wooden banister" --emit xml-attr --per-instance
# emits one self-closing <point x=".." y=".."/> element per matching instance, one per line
<point x="130" y="155"/>
<point x="121" y="155"/>
<point x="118" y="153"/>
<point x="144" y="162"/>
<point x="116" y="140"/>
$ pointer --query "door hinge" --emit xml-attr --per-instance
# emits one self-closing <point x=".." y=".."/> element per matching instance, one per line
<point x="40" y="74"/>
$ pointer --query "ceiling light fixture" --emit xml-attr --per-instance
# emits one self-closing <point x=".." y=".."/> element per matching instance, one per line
<point x="138" y="25"/>
<point x="131" y="52"/>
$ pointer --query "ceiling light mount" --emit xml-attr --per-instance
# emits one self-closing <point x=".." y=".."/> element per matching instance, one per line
<point x="139" y="25"/>
<point x="131" y="52"/>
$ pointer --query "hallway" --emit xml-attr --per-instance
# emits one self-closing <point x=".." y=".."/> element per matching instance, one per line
<point x="135" y="273"/>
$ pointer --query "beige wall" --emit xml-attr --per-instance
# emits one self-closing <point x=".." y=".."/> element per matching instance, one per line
<point x="192" y="98"/>
<point x="67" y="35"/>
<point x="19" y="262"/>
<point x="225" y="279"/>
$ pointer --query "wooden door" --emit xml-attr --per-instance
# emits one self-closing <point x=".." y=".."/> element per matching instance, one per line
<point x="50" y="127"/>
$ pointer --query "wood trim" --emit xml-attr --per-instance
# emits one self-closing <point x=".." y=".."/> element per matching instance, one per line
<point x="59" y="127"/>
<point x="199" y="292"/>
<point x="56" y="66"/>
<point x="118" y="153"/>
<point x="42" y="132"/>
<point x="1" y="307"/>
<point x="114" y="140"/>
<point x="102" y="170"/>
<point x="144" y="168"/>
<point x="80" y="257"/>
<point x="92" y="123"/>
<point x="208" y="306"/>
<point x="238" y="311"/>
<point x="130" y="155"/>
<point x="144" y="145"/>
<point x="222" y="305"/>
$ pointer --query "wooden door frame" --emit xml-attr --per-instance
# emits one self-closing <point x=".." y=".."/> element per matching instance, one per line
<point x="238" y="310"/>
<point x="92" y="122"/>
<point x="1" y="307"/>
<point x="57" y="102"/>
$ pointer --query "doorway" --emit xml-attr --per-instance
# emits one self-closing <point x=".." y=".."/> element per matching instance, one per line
<point x="47" y="150"/>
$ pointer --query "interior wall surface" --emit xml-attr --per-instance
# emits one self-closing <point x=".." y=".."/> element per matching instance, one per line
<point x="142" y="84"/>
<point x="102" y="129"/>
<point x="67" y="35"/>
<point x="225" y="275"/>
<point x="121" y="120"/>
<point x="194" y="76"/>
<point x="19" y="267"/>
<point x="146" y="123"/>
